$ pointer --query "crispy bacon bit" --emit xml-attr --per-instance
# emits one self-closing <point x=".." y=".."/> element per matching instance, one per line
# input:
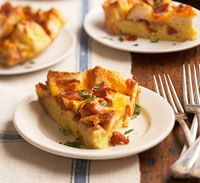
<point x="77" y="117"/>
<point x="98" y="120"/>
<point x="102" y="90"/>
<point x="72" y="95"/>
<point x="91" y="109"/>
<point x="108" y="100"/>
<point x="146" y="23"/>
<point x="181" y="8"/>
<point x="6" y="9"/>
<point x="41" y="86"/>
<point x="28" y="12"/>
<point x="127" y="111"/>
<point x="60" y="101"/>
<point x="161" y="8"/>
<point x="118" y="138"/>
<point x="130" y="83"/>
<point x="92" y="121"/>
<point x="130" y="37"/>
<point x="69" y="105"/>
<point x="171" y="30"/>
<point x="105" y="118"/>
<point x="40" y="17"/>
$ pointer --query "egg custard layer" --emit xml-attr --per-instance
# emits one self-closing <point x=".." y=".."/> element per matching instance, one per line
<point x="152" y="19"/>
<point x="26" y="32"/>
<point x="94" y="104"/>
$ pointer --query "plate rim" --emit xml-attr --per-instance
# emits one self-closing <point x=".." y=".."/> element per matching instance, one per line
<point x="72" y="152"/>
<point x="49" y="64"/>
<point x="98" y="8"/>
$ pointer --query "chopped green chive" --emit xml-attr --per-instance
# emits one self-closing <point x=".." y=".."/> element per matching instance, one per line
<point x="105" y="104"/>
<point x="157" y="3"/>
<point x="75" y="143"/>
<point x="128" y="131"/>
<point x="85" y="93"/>
<point x="121" y="38"/>
<point x="32" y="62"/>
<point x="137" y="109"/>
<point x="154" y="40"/>
<point x="65" y="132"/>
<point x="135" y="44"/>
<point x="28" y="67"/>
<point x="109" y="38"/>
<point x="87" y="96"/>
<point x="134" y="116"/>
<point x="89" y="100"/>
<point x="96" y="86"/>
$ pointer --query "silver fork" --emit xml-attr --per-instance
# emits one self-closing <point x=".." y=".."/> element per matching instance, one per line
<point x="193" y="98"/>
<point x="191" y="105"/>
<point x="185" y="165"/>
<point x="172" y="98"/>
<point x="189" y="162"/>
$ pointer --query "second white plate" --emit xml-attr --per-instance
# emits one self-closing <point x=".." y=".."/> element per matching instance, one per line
<point x="153" y="124"/>
<point x="58" y="50"/>
<point x="94" y="25"/>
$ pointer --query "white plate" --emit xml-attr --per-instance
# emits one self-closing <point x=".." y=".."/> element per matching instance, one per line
<point x="95" y="27"/>
<point x="153" y="124"/>
<point x="57" y="51"/>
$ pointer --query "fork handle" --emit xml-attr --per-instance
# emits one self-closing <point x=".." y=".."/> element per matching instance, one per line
<point x="198" y="119"/>
<point x="184" y="164"/>
<point x="187" y="132"/>
<point x="195" y="170"/>
<point x="193" y="129"/>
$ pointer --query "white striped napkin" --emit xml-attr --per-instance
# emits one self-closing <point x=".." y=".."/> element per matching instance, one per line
<point x="20" y="161"/>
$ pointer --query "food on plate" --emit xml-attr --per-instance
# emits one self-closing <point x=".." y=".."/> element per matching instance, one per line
<point x="151" y="19"/>
<point x="26" y="32"/>
<point x="94" y="105"/>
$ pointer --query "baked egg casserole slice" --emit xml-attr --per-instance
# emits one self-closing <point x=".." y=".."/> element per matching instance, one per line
<point x="151" y="19"/>
<point x="26" y="32"/>
<point x="94" y="105"/>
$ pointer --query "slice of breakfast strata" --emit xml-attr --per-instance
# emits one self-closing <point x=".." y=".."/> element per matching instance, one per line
<point x="151" y="19"/>
<point x="94" y="104"/>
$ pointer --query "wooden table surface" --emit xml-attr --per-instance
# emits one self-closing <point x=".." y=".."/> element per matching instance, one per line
<point x="155" y="163"/>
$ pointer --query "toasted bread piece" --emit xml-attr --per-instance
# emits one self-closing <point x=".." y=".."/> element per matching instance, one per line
<point x="150" y="19"/>
<point x="92" y="104"/>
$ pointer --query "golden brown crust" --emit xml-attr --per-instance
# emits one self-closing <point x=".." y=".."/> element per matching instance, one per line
<point x="115" y="10"/>
<point x="26" y="32"/>
<point x="79" y="101"/>
<point x="91" y="90"/>
<point x="150" y="19"/>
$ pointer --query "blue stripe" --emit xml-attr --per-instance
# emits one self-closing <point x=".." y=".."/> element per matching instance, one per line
<point x="10" y="136"/>
<point x="81" y="166"/>
<point x="80" y="171"/>
<point x="89" y="162"/>
<point x="72" y="169"/>
<point x="83" y="64"/>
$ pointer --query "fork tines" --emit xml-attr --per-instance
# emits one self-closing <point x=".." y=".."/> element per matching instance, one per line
<point x="193" y="103"/>
<point x="169" y="94"/>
